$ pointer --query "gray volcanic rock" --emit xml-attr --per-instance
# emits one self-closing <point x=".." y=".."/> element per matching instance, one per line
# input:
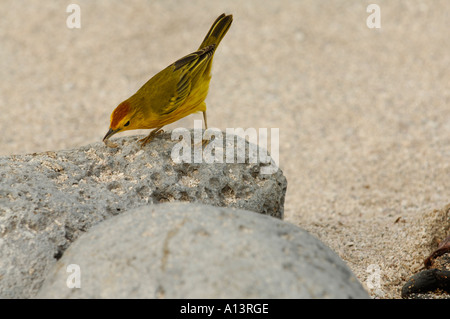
<point x="181" y="250"/>
<point x="47" y="200"/>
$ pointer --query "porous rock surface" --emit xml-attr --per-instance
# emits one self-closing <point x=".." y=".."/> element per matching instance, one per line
<point x="48" y="199"/>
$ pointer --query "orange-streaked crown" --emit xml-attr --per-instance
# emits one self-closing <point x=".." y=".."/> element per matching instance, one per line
<point x="119" y="113"/>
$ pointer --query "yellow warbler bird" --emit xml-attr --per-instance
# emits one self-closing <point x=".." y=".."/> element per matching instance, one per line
<point x="175" y="92"/>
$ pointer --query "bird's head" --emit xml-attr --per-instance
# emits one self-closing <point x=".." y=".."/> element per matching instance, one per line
<point x="121" y="119"/>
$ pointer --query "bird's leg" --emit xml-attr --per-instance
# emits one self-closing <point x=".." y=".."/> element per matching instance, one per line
<point x="204" y="119"/>
<point x="150" y="137"/>
<point x="205" y="142"/>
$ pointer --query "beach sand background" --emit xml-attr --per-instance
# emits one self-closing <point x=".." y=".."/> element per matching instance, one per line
<point x="364" y="114"/>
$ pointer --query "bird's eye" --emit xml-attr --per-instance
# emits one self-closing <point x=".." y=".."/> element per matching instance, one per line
<point x="127" y="123"/>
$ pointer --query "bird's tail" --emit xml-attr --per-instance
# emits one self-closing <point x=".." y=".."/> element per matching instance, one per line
<point x="217" y="31"/>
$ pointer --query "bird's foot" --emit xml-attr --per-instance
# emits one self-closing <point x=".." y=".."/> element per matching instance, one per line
<point x="150" y="137"/>
<point x="203" y="143"/>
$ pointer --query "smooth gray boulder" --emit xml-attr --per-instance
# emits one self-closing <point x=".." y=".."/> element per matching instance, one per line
<point x="48" y="199"/>
<point x="180" y="250"/>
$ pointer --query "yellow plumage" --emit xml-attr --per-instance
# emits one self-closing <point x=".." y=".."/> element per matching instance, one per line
<point x="173" y="93"/>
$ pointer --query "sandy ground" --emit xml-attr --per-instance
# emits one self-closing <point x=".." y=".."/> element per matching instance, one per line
<point x="364" y="114"/>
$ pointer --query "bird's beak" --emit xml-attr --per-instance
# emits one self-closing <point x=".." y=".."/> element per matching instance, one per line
<point x="110" y="133"/>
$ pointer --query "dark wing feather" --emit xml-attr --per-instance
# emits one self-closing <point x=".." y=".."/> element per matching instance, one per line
<point x="188" y="67"/>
